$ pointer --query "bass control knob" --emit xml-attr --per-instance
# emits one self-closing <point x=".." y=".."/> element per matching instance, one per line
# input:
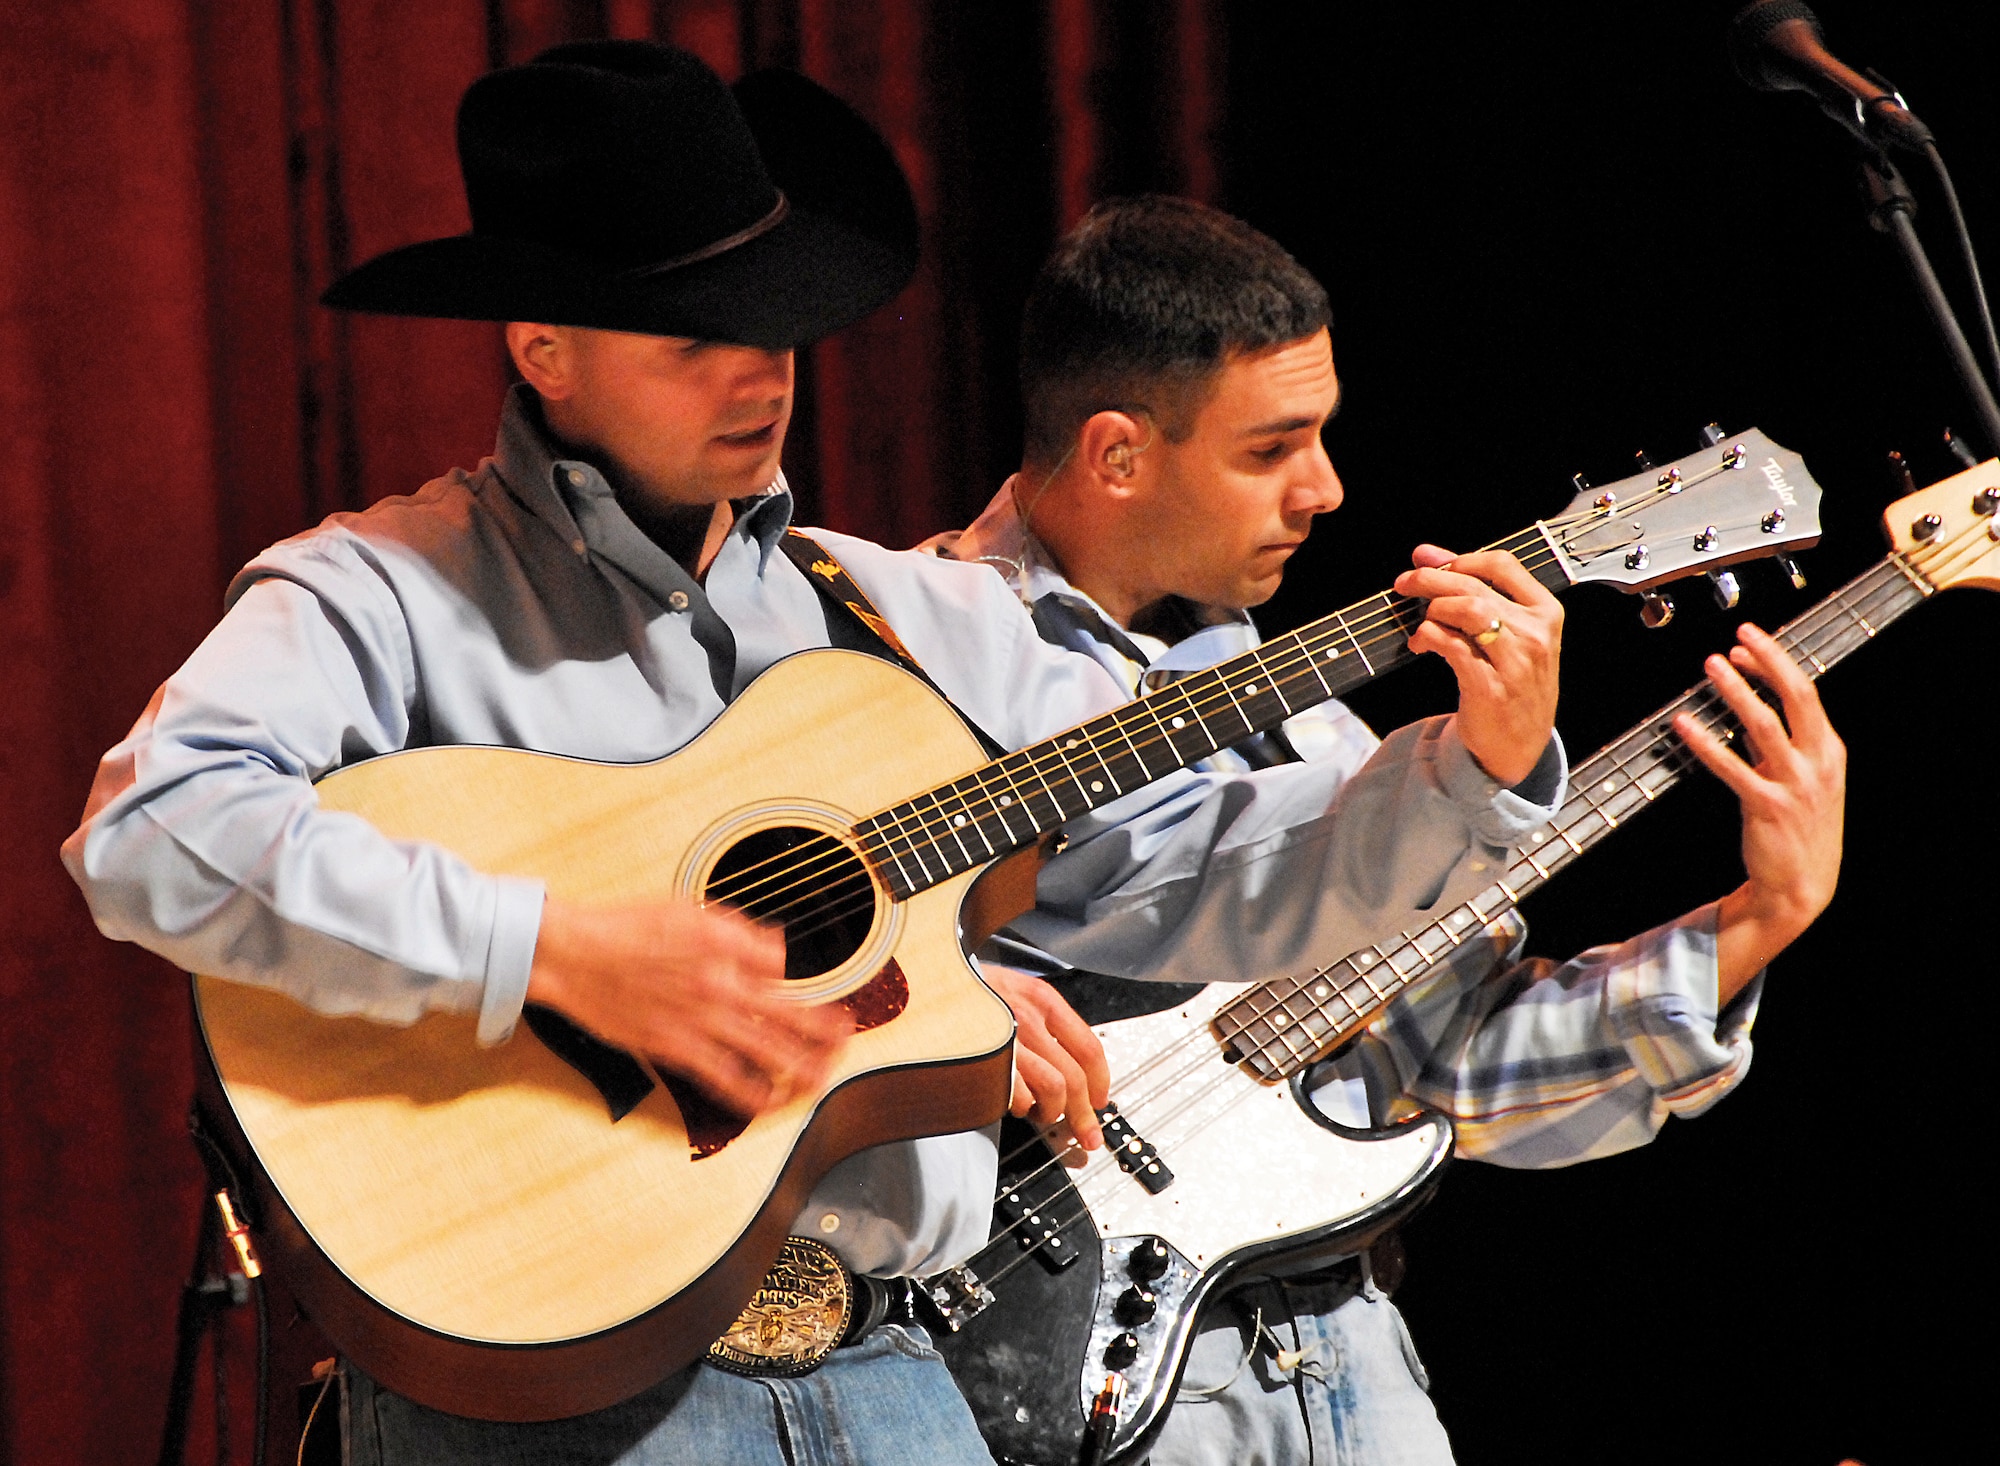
<point x="1136" y="1305"/>
<point x="1149" y="1260"/>
<point x="1122" y="1350"/>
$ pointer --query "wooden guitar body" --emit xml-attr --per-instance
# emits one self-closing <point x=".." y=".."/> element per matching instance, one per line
<point x="470" y="1225"/>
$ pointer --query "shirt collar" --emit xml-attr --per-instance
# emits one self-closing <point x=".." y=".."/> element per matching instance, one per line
<point x="999" y="538"/>
<point x="547" y="484"/>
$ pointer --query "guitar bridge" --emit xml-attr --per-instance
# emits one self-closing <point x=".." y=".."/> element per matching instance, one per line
<point x="1135" y="1154"/>
<point x="958" y="1296"/>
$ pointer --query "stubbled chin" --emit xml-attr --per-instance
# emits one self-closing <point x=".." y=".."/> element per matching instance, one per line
<point x="751" y="476"/>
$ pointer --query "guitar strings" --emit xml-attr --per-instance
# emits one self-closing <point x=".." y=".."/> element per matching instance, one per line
<point x="1524" y="543"/>
<point x="1673" y="754"/>
<point x="1663" y="749"/>
<point x="1210" y="701"/>
<point x="792" y="872"/>
<point x="1300" y="649"/>
<point x="1277" y="1018"/>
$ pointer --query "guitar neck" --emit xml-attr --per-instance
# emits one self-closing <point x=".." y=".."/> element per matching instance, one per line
<point x="1282" y="1027"/>
<point x="1017" y="798"/>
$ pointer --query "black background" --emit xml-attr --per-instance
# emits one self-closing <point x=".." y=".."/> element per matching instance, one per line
<point x="1553" y="235"/>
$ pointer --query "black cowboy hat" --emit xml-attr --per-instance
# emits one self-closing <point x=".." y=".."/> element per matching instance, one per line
<point x="621" y="184"/>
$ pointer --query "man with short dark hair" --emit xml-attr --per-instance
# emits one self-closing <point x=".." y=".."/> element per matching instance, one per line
<point x="603" y="587"/>
<point x="1177" y="376"/>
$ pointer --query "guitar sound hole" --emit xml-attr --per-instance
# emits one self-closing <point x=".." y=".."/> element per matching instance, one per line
<point x="806" y="882"/>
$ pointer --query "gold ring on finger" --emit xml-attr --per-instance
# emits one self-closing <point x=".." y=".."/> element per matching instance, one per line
<point x="1491" y="634"/>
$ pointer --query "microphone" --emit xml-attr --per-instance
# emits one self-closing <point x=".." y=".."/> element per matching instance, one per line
<point x="1778" y="46"/>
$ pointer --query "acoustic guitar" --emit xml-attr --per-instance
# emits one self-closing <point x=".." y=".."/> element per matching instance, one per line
<point x="549" y="1226"/>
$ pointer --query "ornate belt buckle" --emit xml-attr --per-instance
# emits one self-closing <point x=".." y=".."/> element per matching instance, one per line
<point x="797" y="1317"/>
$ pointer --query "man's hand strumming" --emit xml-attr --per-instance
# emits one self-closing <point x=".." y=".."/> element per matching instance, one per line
<point x="699" y="990"/>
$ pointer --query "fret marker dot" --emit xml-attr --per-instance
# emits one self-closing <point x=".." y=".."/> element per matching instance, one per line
<point x="1070" y="744"/>
<point x="1096" y="786"/>
<point x="1180" y="722"/>
<point x="1610" y="785"/>
<point x="1250" y="689"/>
<point x="1541" y="835"/>
<point x="958" y="819"/>
<point x="1005" y="800"/>
<point x="1320" y="991"/>
<point x="1332" y="652"/>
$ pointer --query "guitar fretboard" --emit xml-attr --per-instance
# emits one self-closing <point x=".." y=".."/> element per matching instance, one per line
<point x="1015" y="799"/>
<point x="1281" y="1027"/>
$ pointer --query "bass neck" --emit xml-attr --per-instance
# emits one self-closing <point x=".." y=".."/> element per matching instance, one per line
<point x="1280" y="1028"/>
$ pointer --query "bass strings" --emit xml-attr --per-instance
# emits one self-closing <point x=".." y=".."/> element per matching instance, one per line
<point x="1662" y="750"/>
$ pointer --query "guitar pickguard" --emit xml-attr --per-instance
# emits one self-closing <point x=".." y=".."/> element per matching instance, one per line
<point x="1255" y="1179"/>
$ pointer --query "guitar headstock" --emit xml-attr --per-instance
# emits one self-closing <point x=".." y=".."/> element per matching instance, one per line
<point x="1949" y="532"/>
<point x="1745" y="498"/>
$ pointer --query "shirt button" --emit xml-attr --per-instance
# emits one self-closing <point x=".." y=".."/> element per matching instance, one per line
<point x="576" y="477"/>
<point x="678" y="600"/>
<point x="580" y="547"/>
<point x="830" y="1223"/>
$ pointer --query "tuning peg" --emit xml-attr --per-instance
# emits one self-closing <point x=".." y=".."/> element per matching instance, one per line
<point x="1711" y="435"/>
<point x="1959" y="451"/>
<point x="1583" y="485"/>
<point x="1643" y="460"/>
<point x="1925" y="527"/>
<point x="1655" y="610"/>
<point x="1899" y="473"/>
<point x="1791" y="568"/>
<point x="1986" y="501"/>
<point x="1727" y="591"/>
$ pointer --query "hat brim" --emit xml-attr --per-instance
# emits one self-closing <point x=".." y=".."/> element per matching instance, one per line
<point x="847" y="245"/>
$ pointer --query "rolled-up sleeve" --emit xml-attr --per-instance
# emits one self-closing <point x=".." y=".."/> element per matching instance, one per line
<point x="1543" y="1064"/>
<point x="204" y="840"/>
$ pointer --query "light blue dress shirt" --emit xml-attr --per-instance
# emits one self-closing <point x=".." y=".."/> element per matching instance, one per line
<point x="519" y="605"/>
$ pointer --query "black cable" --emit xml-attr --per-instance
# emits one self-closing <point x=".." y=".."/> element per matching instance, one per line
<point x="1298" y="1370"/>
<point x="262" y="1303"/>
<point x="1971" y="259"/>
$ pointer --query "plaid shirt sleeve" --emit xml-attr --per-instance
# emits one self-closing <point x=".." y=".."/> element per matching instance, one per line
<point x="1543" y="1064"/>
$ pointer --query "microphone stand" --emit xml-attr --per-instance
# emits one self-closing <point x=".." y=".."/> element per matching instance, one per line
<point x="1890" y="211"/>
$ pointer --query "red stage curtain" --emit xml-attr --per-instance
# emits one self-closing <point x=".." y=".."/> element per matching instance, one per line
<point x="180" y="179"/>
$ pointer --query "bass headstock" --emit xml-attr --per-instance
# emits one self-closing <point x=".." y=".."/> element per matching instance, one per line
<point x="1744" y="498"/>
<point x="1949" y="533"/>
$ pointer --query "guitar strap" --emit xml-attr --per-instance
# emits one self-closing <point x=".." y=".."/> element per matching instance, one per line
<point x="867" y="630"/>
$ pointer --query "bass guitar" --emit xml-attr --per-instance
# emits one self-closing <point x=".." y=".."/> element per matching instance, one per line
<point x="1217" y="1165"/>
<point x="547" y="1227"/>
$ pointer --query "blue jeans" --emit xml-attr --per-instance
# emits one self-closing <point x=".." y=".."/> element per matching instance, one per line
<point x="886" y="1401"/>
<point x="1359" y="1397"/>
